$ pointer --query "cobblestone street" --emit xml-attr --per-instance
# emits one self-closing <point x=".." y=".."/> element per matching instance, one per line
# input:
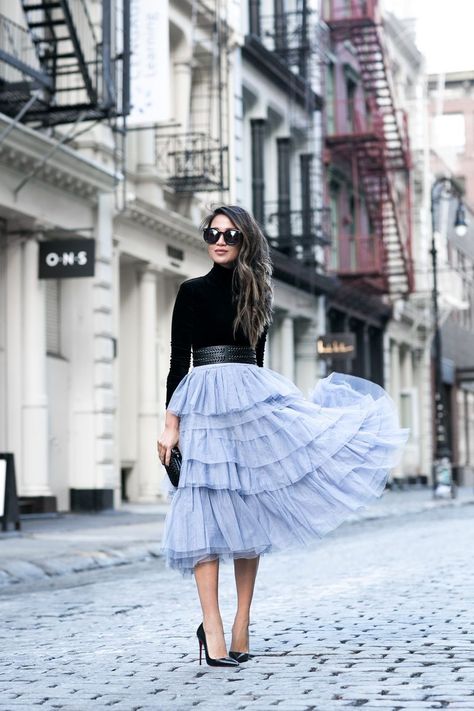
<point x="378" y="616"/>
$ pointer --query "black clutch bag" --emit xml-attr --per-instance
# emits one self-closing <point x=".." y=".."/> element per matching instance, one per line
<point x="174" y="467"/>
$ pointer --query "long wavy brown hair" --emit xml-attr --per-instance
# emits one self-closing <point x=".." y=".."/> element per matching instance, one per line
<point x="251" y="282"/>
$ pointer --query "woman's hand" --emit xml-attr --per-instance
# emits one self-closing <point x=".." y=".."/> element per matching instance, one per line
<point x="169" y="438"/>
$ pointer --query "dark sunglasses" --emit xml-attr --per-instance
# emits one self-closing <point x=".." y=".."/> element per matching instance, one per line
<point x="211" y="236"/>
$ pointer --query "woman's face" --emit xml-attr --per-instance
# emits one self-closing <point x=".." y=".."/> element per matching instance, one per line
<point x="221" y="252"/>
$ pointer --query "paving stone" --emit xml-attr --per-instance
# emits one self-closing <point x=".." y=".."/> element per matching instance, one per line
<point x="378" y="616"/>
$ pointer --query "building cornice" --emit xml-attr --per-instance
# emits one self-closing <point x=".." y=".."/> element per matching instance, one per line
<point x="160" y="220"/>
<point x="292" y="271"/>
<point x="361" y="305"/>
<point x="24" y="148"/>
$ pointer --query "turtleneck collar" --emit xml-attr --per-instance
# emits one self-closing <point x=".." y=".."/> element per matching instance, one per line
<point x="221" y="273"/>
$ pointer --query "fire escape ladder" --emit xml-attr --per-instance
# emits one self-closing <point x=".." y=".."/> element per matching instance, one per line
<point x="55" y="27"/>
<point x="385" y="152"/>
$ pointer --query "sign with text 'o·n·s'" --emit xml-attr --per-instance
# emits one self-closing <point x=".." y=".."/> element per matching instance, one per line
<point x="337" y="345"/>
<point x="63" y="258"/>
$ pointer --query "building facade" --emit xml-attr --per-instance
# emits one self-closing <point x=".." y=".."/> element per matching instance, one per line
<point x="450" y="109"/>
<point x="83" y="361"/>
<point x="376" y="186"/>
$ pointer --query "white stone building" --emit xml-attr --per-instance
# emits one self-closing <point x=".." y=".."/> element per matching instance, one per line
<point x="83" y="361"/>
<point x="408" y="335"/>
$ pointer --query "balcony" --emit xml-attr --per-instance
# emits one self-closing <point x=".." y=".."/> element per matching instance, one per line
<point x="297" y="233"/>
<point x="20" y="68"/>
<point x="56" y="69"/>
<point x="282" y="46"/>
<point x="287" y="35"/>
<point x="358" y="256"/>
<point x="354" y="120"/>
<point x="191" y="162"/>
<point x="348" y="13"/>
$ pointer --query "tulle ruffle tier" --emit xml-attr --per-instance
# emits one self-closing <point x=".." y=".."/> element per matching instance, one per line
<point x="265" y="468"/>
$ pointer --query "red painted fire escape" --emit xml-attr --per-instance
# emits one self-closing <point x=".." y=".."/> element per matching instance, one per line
<point x="376" y="143"/>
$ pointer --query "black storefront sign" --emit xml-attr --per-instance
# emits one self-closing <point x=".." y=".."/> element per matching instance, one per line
<point x="337" y="345"/>
<point x="63" y="258"/>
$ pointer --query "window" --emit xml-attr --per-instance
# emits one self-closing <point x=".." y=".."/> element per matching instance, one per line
<point x="330" y="123"/>
<point x="408" y="411"/>
<point x="333" y="207"/>
<point x="351" y="87"/>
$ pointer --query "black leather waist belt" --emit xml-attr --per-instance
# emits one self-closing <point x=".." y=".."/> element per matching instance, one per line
<point x="224" y="354"/>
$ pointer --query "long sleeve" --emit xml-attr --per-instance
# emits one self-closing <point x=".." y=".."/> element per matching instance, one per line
<point x="181" y="340"/>
<point x="260" y="347"/>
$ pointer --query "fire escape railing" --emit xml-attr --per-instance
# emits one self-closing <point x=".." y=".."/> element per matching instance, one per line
<point x="191" y="162"/>
<point x="288" y="36"/>
<point x="354" y="118"/>
<point x="18" y="59"/>
<point x="377" y="139"/>
<point x="59" y="52"/>
<point x="297" y="233"/>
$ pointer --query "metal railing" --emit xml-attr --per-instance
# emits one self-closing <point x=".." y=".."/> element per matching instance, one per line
<point x="191" y="162"/>
<point x="297" y="233"/>
<point x="17" y="48"/>
<point x="352" y="118"/>
<point x="340" y="10"/>
<point x="83" y="67"/>
<point x="358" y="255"/>
<point x="289" y="35"/>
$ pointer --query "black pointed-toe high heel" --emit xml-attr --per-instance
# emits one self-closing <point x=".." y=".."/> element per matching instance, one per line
<point x="221" y="661"/>
<point x="240" y="656"/>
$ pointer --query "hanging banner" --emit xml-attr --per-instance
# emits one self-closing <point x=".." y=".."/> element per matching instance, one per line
<point x="337" y="345"/>
<point x="149" y="62"/>
<point x="62" y="258"/>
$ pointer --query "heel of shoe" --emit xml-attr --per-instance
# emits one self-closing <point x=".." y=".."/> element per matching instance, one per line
<point x="221" y="662"/>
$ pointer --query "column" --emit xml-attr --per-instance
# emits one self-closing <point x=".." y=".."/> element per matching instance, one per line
<point x="367" y="362"/>
<point x="425" y="398"/>
<point x="35" y="402"/>
<point x="148" y="466"/>
<point x="148" y="184"/>
<point x="14" y="354"/>
<point x="167" y="287"/>
<point x="182" y="92"/>
<point x="93" y="476"/>
<point x="412" y="455"/>
<point x="395" y="391"/>
<point x="287" y="364"/>
<point x="306" y="365"/>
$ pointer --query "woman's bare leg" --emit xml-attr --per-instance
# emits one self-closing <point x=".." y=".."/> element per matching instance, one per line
<point x="245" y="574"/>
<point x="207" y="581"/>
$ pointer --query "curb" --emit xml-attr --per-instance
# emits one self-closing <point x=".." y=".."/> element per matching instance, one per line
<point x="24" y="571"/>
<point x="14" y="572"/>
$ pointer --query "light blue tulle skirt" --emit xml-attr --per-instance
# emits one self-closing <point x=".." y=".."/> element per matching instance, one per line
<point x="265" y="468"/>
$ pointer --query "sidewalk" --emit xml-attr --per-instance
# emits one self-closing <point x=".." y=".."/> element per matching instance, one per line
<point x="69" y="543"/>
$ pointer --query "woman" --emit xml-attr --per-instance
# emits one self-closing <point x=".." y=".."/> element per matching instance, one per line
<point x="263" y="467"/>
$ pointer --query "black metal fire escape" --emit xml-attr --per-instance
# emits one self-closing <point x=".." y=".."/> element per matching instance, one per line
<point x="59" y="59"/>
<point x="282" y="47"/>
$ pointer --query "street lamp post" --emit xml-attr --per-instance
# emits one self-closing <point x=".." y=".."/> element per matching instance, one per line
<point x="442" y="465"/>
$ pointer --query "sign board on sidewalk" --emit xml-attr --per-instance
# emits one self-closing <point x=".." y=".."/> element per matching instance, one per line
<point x="63" y="258"/>
<point x="9" y="509"/>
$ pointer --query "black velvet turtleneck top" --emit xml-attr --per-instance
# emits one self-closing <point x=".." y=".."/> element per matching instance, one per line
<point x="203" y="315"/>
